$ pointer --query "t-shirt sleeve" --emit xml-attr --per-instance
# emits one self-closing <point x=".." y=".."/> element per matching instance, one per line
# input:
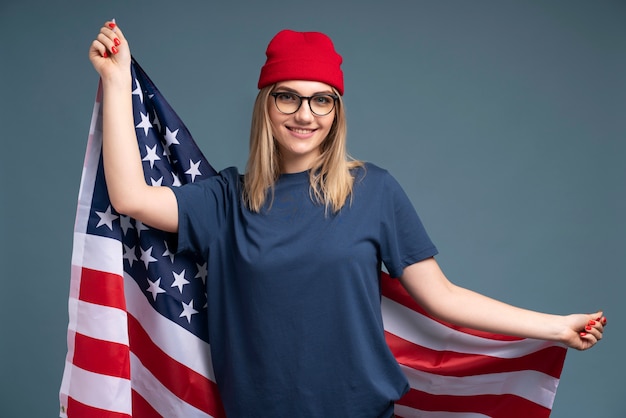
<point x="404" y="240"/>
<point x="203" y="209"/>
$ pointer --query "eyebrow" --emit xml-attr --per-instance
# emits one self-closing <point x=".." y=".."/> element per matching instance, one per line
<point x="285" y="88"/>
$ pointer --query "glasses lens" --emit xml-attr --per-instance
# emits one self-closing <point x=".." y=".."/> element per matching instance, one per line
<point x="287" y="102"/>
<point x="322" y="104"/>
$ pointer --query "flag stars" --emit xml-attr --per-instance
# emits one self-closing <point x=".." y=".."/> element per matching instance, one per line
<point x="170" y="137"/>
<point x="146" y="257"/>
<point x="202" y="272"/>
<point x="193" y="170"/>
<point x="168" y="253"/>
<point x="145" y="123"/>
<point x="125" y="223"/>
<point x="179" y="280"/>
<point x="156" y="122"/>
<point x="157" y="183"/>
<point x="129" y="254"/>
<point x="155" y="288"/>
<point x="106" y="218"/>
<point x="151" y="155"/>
<point x="175" y="180"/>
<point x="137" y="91"/>
<point x="188" y="311"/>
<point x="140" y="227"/>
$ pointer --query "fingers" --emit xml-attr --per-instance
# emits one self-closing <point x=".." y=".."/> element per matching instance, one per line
<point x="595" y="328"/>
<point x="109" y="40"/>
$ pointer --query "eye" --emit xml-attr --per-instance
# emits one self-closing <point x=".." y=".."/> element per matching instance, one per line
<point x="323" y="100"/>
<point x="286" y="97"/>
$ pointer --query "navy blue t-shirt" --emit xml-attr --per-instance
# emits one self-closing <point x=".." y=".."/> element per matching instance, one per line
<point x="295" y="322"/>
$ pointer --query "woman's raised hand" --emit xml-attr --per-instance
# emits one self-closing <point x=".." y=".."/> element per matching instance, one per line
<point x="584" y="330"/>
<point x="109" y="53"/>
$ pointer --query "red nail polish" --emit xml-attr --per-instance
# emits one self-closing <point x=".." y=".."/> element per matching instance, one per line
<point x="105" y="54"/>
<point x="588" y="328"/>
<point x="112" y="25"/>
<point x="592" y="322"/>
<point x="582" y="334"/>
<point x="114" y="50"/>
<point x="116" y="41"/>
<point x="604" y="321"/>
<point x="598" y="318"/>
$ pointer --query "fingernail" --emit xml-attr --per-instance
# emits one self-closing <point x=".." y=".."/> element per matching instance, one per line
<point x="582" y="334"/>
<point x="598" y="318"/>
<point x="588" y="328"/>
<point x="105" y="54"/>
<point x="112" y="25"/>
<point x="604" y="321"/>
<point x="116" y="41"/>
<point x="114" y="50"/>
<point x="592" y="322"/>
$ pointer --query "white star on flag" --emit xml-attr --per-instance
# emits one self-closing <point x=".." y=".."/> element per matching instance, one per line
<point x="170" y="137"/>
<point x="151" y="155"/>
<point x="179" y="280"/>
<point x="155" y="288"/>
<point x="129" y="254"/>
<point x="188" y="310"/>
<point x="168" y="253"/>
<point x="125" y="223"/>
<point x="145" y="123"/>
<point x="106" y="218"/>
<point x="146" y="256"/>
<point x="202" y="272"/>
<point x="137" y="91"/>
<point x="193" y="170"/>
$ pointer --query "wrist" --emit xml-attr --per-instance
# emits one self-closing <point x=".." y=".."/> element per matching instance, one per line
<point x="122" y="81"/>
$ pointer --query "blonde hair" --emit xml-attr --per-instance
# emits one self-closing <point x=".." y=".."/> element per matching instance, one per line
<point x="330" y="178"/>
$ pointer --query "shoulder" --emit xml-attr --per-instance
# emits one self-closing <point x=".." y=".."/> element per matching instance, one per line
<point x="221" y="183"/>
<point x="371" y="174"/>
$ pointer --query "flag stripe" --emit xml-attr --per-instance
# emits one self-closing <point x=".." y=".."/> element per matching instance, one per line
<point x="100" y="322"/>
<point x="182" y="381"/>
<point x="160" y="397"/>
<point x="403" y="411"/>
<point x="494" y="406"/>
<point x="98" y="253"/>
<point x="99" y="391"/>
<point x="104" y="357"/>
<point x="422" y="330"/>
<point x="525" y="384"/>
<point x="142" y="408"/>
<point x="451" y="363"/>
<point x="79" y="409"/>
<point x="393" y="289"/>
<point x="102" y="288"/>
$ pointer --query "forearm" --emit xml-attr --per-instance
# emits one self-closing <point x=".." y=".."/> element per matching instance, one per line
<point x="122" y="160"/>
<point x="430" y="288"/>
<point x="473" y="310"/>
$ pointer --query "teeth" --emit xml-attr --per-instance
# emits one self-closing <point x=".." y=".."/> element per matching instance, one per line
<point x="302" y="131"/>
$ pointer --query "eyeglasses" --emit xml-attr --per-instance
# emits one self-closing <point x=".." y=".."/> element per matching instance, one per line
<point x="289" y="103"/>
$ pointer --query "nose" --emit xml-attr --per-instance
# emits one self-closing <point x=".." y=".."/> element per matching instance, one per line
<point x="304" y="113"/>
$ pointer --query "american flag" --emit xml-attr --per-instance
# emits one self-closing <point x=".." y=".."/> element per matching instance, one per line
<point x="137" y="334"/>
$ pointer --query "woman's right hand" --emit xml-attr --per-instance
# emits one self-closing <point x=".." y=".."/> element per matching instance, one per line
<point x="110" y="54"/>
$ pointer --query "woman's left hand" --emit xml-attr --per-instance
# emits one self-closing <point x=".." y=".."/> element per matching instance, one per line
<point x="585" y="330"/>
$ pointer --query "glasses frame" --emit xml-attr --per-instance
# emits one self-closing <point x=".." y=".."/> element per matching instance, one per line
<point x="275" y="95"/>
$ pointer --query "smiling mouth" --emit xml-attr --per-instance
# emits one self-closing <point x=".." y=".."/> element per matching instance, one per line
<point x="301" y="131"/>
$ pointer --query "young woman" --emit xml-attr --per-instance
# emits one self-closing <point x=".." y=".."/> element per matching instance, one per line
<point x="295" y="245"/>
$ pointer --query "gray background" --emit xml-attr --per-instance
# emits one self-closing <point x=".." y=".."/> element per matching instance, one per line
<point x="503" y="120"/>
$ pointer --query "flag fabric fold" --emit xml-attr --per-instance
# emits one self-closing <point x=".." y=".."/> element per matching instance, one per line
<point x="137" y="334"/>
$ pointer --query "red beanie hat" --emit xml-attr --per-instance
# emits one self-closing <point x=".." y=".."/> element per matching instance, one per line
<point x="307" y="56"/>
